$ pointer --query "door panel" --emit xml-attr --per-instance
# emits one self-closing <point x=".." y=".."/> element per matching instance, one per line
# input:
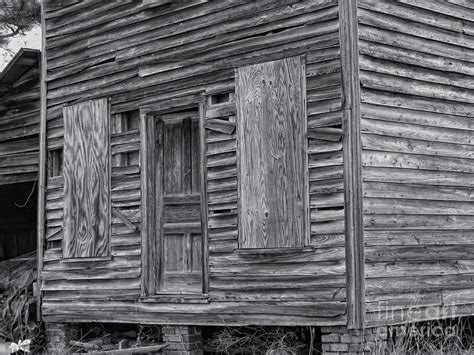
<point x="181" y="240"/>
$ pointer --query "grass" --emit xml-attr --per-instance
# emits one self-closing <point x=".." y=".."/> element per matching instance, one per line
<point x="451" y="336"/>
<point x="438" y="337"/>
<point x="256" y="340"/>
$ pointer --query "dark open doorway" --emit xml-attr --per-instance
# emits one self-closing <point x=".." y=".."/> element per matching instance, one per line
<point x="17" y="219"/>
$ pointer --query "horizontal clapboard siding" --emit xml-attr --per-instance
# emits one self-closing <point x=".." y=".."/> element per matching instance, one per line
<point x="19" y="128"/>
<point x="163" y="57"/>
<point x="417" y="91"/>
<point x="78" y="280"/>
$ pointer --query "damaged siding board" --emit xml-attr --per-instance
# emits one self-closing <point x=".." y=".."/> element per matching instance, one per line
<point x="86" y="180"/>
<point x="271" y="136"/>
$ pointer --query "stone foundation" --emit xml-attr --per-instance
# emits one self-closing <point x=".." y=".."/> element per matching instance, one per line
<point x="59" y="335"/>
<point x="341" y="340"/>
<point x="182" y="340"/>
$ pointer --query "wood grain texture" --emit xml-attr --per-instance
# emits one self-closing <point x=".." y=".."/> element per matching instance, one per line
<point x="203" y="190"/>
<point x="416" y="70"/>
<point x="417" y="113"/>
<point x="271" y="138"/>
<point x="178" y="186"/>
<point x="159" y="60"/>
<point x="149" y="217"/>
<point x="86" y="180"/>
<point x="353" y="227"/>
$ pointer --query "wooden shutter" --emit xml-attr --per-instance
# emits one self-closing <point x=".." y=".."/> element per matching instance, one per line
<point x="272" y="154"/>
<point x="86" y="180"/>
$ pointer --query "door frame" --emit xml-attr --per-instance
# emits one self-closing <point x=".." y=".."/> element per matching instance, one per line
<point x="151" y="266"/>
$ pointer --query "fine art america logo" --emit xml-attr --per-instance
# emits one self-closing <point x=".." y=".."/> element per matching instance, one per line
<point x="413" y="319"/>
<point x="443" y="331"/>
<point x="414" y="313"/>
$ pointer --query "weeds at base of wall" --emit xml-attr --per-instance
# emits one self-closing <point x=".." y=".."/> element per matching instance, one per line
<point x="261" y="340"/>
<point x="110" y="337"/>
<point x="449" y="336"/>
<point x="18" y="323"/>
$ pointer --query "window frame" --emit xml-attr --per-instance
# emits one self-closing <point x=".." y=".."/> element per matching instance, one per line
<point x="55" y="162"/>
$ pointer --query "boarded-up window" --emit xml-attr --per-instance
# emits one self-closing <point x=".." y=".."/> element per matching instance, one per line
<point x="272" y="150"/>
<point x="86" y="180"/>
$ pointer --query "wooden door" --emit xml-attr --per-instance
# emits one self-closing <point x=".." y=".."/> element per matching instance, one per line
<point x="178" y="193"/>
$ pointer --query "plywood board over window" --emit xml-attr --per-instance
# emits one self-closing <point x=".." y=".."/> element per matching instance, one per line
<point x="272" y="154"/>
<point x="86" y="180"/>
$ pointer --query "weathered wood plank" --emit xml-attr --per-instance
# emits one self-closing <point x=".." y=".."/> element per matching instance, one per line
<point x="428" y="117"/>
<point x="408" y="86"/>
<point x="395" y="24"/>
<point x="386" y="222"/>
<point x="271" y="208"/>
<point x="407" y="315"/>
<point x="417" y="191"/>
<point x="228" y="313"/>
<point x="386" y="143"/>
<point x="411" y="56"/>
<point x="86" y="180"/>
<point x="443" y="7"/>
<point x="407" y="41"/>
<point x="418" y="283"/>
<point x="407" y="267"/>
<point x="416" y="161"/>
<point x="389" y="67"/>
<point x="416" y="176"/>
<point x="417" y="237"/>
<point x="413" y="14"/>
<point x="420" y="253"/>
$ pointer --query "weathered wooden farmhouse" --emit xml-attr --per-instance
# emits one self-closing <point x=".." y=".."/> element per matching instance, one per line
<point x="271" y="162"/>
<point x="19" y="153"/>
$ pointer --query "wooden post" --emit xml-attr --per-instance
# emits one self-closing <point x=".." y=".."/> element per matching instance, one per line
<point x="42" y="162"/>
<point x="352" y="164"/>
<point x="203" y="172"/>
<point x="148" y="195"/>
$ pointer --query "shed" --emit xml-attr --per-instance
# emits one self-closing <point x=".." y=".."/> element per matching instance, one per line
<point x="19" y="153"/>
